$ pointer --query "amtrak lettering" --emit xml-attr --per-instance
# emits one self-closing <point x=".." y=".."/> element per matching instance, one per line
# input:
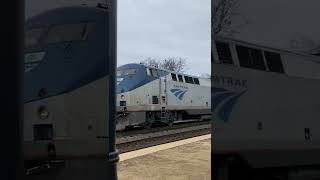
<point x="230" y="81"/>
<point x="180" y="86"/>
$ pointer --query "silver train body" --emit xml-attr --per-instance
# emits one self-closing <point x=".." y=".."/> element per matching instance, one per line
<point x="265" y="105"/>
<point x="148" y="95"/>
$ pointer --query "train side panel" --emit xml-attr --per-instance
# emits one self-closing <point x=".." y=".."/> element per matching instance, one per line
<point x="185" y="96"/>
<point x="267" y="117"/>
<point x="78" y="120"/>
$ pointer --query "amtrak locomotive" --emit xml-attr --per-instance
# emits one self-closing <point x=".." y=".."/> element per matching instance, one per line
<point x="66" y="90"/>
<point x="265" y="107"/>
<point x="148" y="95"/>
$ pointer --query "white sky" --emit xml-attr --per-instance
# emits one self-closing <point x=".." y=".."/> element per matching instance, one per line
<point x="165" y="28"/>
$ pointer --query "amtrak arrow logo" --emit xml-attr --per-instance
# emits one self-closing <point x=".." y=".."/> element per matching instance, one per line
<point x="178" y="93"/>
<point x="224" y="101"/>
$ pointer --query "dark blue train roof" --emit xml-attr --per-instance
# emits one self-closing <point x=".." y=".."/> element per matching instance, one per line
<point x="67" y="65"/>
<point x="127" y="83"/>
<point x="64" y="15"/>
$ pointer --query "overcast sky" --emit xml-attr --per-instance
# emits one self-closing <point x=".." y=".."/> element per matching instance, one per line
<point x="165" y="28"/>
<point x="275" y="23"/>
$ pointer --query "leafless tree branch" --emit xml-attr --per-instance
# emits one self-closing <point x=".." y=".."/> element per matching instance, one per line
<point x="177" y="64"/>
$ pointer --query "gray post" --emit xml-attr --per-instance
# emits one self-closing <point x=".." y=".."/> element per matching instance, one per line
<point x="112" y="48"/>
<point x="12" y="31"/>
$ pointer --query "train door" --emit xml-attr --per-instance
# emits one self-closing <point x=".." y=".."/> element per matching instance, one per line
<point x="163" y="91"/>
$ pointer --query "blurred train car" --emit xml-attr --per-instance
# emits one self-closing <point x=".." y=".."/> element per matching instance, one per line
<point x="66" y="92"/>
<point x="265" y="107"/>
<point x="148" y="95"/>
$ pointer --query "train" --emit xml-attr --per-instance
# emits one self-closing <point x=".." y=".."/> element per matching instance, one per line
<point x="147" y="95"/>
<point x="67" y="93"/>
<point x="68" y="70"/>
<point x="265" y="105"/>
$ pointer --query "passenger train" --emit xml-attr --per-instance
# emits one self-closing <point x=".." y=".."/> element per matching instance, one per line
<point x="265" y="105"/>
<point x="66" y="96"/>
<point x="148" y="95"/>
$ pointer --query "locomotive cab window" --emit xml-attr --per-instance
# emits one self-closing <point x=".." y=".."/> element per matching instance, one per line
<point x="154" y="72"/>
<point x="186" y="78"/>
<point x="180" y="78"/>
<point x="196" y="81"/>
<point x="69" y="32"/>
<point x="224" y="52"/>
<point x="148" y="71"/>
<point x="274" y="62"/>
<point x="174" y="77"/>
<point x="191" y="80"/>
<point x="250" y="58"/>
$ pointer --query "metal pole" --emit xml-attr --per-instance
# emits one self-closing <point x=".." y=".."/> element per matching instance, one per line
<point x="12" y="17"/>
<point x="112" y="58"/>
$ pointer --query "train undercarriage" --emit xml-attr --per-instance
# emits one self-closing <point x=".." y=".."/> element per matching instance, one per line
<point x="127" y="120"/>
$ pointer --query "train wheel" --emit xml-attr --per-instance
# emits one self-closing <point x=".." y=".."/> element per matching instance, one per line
<point x="148" y="125"/>
<point x="150" y="119"/>
<point x="170" y="123"/>
<point x="172" y="116"/>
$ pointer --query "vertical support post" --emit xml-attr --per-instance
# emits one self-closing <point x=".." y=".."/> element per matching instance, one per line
<point x="112" y="58"/>
<point x="11" y="77"/>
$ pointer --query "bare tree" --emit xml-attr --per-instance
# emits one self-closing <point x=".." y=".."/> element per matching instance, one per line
<point x="151" y="62"/>
<point x="177" y="64"/>
<point x="223" y="16"/>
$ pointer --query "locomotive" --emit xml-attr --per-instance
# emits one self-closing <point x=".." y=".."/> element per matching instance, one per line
<point x="68" y="70"/>
<point x="147" y="95"/>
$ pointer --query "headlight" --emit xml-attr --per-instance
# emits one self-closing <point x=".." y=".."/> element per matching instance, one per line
<point x="122" y="97"/>
<point x="43" y="112"/>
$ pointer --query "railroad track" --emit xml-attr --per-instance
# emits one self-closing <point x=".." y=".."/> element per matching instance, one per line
<point x="137" y="139"/>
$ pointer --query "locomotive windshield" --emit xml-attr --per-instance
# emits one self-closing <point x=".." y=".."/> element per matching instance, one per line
<point x="68" y="32"/>
<point x="58" y="33"/>
<point x="126" y="72"/>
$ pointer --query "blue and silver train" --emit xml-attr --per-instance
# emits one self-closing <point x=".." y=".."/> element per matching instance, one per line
<point x="66" y="77"/>
<point x="148" y="95"/>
